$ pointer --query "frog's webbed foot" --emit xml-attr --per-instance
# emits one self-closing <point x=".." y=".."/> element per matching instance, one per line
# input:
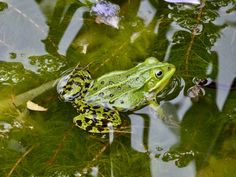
<point x="166" y="117"/>
<point x="100" y="120"/>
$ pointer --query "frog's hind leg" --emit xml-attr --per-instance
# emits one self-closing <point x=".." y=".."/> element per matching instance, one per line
<point x="96" y="119"/>
<point x="75" y="85"/>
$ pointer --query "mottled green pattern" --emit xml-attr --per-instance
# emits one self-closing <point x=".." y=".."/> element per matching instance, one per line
<point x="95" y="119"/>
<point x="74" y="85"/>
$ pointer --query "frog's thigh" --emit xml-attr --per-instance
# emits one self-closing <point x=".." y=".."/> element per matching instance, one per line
<point x="98" y="122"/>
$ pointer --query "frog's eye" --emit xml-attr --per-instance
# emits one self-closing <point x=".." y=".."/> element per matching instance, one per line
<point x="158" y="73"/>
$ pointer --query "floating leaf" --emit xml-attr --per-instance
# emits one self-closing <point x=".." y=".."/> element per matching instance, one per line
<point x="106" y="13"/>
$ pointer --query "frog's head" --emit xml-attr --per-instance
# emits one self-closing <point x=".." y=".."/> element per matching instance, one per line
<point x="159" y="74"/>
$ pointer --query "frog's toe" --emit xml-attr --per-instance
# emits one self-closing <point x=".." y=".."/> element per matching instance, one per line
<point x="97" y="123"/>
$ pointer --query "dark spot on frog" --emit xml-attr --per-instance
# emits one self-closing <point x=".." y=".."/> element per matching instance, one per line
<point x="101" y="94"/>
<point x="86" y="119"/>
<point x="104" y="122"/>
<point x="79" y="122"/>
<point x="121" y="101"/>
<point x="68" y="88"/>
<point x="96" y="107"/>
<point x="95" y="88"/>
<point x="105" y="115"/>
<point x="102" y="82"/>
<point x="137" y="78"/>
<point x="111" y="95"/>
<point x="111" y="102"/>
<point x="86" y="108"/>
<point x="100" y="128"/>
<point x="112" y="113"/>
<point x="93" y="124"/>
<point x="89" y="128"/>
<point x="85" y="91"/>
<point x="87" y="85"/>
<point x="92" y="112"/>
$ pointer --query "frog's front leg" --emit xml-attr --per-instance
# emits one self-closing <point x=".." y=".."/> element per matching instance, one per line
<point x="156" y="107"/>
<point x="163" y="115"/>
<point x="96" y="119"/>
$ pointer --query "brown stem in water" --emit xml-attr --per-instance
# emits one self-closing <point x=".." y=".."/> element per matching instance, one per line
<point x="19" y="161"/>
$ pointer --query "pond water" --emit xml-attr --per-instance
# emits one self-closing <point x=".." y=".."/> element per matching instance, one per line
<point x="41" y="40"/>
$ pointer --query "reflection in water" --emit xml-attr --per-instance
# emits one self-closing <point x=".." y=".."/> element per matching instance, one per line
<point x="23" y="40"/>
<point x="94" y="172"/>
<point x="72" y="29"/>
<point x="137" y="136"/>
<point x="146" y="12"/>
<point x="225" y="48"/>
<point x="160" y="137"/>
<point x="111" y="138"/>
<point x="182" y="102"/>
<point x="227" y="71"/>
<point x="174" y="28"/>
<point x="4" y="128"/>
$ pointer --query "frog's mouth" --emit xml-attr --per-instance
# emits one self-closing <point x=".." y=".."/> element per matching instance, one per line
<point x="161" y="84"/>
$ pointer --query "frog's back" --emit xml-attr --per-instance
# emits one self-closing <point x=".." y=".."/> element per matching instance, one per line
<point x="127" y="90"/>
<point x="113" y="90"/>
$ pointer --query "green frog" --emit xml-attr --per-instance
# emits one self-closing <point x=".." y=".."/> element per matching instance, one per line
<point x="99" y="101"/>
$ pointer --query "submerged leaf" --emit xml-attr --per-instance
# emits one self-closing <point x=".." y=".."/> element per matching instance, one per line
<point x="35" y="107"/>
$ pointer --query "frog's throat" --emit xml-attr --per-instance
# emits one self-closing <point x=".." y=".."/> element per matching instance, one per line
<point x="164" y="81"/>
